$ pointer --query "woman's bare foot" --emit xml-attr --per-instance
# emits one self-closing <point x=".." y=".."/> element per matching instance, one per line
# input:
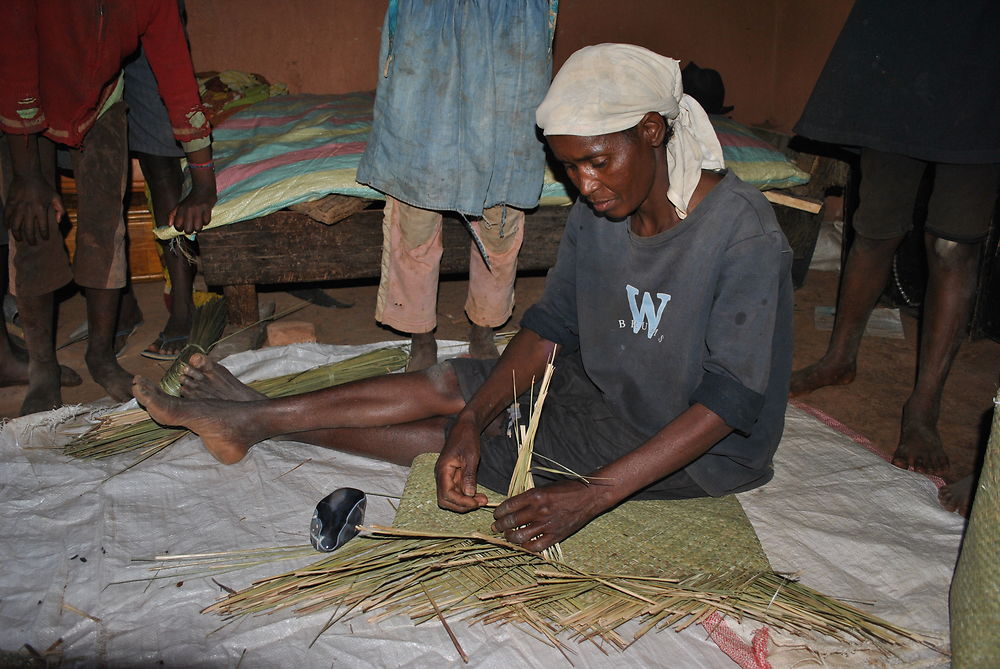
<point x="822" y="373"/>
<point x="423" y="351"/>
<point x="482" y="344"/>
<point x="204" y="379"/>
<point x="957" y="496"/>
<point x="110" y="375"/>
<point x="221" y="425"/>
<point x="43" y="388"/>
<point x="920" y="446"/>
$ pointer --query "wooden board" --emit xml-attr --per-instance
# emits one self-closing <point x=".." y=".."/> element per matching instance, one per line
<point x="288" y="247"/>
<point x="787" y="200"/>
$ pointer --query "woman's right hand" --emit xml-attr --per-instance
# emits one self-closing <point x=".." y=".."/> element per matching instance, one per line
<point x="457" y="466"/>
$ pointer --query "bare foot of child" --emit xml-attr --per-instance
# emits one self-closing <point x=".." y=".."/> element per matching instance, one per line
<point x="110" y="375"/>
<point x="423" y="351"/>
<point x="43" y="388"/>
<point x="820" y="374"/>
<point x="205" y="379"/>
<point x="957" y="496"/>
<point x="221" y="425"/>
<point x="481" y="343"/>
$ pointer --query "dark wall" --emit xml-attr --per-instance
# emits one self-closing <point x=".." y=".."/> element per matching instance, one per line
<point x="768" y="51"/>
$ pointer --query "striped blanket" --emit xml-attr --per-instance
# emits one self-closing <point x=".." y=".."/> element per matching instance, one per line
<point x="295" y="148"/>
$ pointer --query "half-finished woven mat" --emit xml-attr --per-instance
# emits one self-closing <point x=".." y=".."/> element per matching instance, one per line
<point x="670" y="538"/>
<point x="975" y="590"/>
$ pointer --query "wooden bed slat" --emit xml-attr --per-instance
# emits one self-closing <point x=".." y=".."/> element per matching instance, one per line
<point x="289" y="247"/>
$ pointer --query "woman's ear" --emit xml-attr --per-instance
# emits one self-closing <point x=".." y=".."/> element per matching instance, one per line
<point x="653" y="129"/>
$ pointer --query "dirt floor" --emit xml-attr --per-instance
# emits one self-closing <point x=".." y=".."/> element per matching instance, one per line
<point x="870" y="406"/>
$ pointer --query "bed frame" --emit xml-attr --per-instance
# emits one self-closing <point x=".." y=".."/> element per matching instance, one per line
<point x="289" y="246"/>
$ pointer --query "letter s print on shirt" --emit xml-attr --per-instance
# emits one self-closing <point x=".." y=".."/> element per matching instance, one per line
<point x="647" y="317"/>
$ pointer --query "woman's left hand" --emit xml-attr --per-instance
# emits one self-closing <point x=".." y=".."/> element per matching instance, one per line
<point x="545" y="516"/>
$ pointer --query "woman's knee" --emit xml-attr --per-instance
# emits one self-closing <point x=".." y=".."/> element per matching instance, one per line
<point x="443" y="383"/>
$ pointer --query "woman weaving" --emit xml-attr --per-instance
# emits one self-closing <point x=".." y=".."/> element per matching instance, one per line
<point x="669" y="306"/>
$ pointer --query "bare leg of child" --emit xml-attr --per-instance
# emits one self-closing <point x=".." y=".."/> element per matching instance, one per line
<point x="37" y="319"/>
<point x="13" y="359"/>
<point x="165" y="179"/>
<point x="14" y="366"/>
<point x="102" y="315"/>
<point x="481" y="343"/>
<point x="423" y="351"/>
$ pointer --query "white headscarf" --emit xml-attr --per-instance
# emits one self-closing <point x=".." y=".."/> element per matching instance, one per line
<point x="609" y="87"/>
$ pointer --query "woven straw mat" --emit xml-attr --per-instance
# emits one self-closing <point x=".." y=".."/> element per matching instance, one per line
<point x="674" y="539"/>
<point x="975" y="590"/>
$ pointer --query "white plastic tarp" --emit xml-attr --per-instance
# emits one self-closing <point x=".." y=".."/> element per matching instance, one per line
<point x="848" y="523"/>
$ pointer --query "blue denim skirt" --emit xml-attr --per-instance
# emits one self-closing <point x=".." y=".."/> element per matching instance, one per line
<point x="454" y="123"/>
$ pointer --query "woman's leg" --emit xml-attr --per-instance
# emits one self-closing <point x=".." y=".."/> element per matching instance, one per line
<point x="391" y="417"/>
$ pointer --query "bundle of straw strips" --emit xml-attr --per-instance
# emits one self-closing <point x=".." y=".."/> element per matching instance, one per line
<point x="206" y="328"/>
<point x="692" y="559"/>
<point x="705" y="555"/>
<point x="521" y="480"/>
<point x="120" y="432"/>
<point x="484" y="579"/>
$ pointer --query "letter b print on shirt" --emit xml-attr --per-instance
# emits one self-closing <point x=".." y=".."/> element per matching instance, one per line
<point x="647" y="316"/>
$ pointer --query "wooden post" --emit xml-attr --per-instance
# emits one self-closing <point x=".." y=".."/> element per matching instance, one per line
<point x="241" y="303"/>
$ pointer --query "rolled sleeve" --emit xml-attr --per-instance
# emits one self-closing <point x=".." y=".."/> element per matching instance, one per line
<point x="196" y="144"/>
<point x="550" y="327"/>
<point x="741" y="331"/>
<point x="733" y="402"/>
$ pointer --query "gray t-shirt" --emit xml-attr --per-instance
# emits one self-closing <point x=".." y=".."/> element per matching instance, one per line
<point x="700" y="313"/>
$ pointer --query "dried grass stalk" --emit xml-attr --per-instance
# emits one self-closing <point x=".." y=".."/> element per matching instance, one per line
<point x="484" y="579"/>
<point x="521" y="480"/>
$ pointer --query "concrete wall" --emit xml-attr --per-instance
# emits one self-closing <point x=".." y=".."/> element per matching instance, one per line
<point x="768" y="51"/>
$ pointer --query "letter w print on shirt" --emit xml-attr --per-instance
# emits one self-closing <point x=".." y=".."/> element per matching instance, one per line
<point x="645" y="317"/>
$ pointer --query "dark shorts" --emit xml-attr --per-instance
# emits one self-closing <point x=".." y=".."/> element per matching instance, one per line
<point x="149" y="128"/>
<point x="100" y="168"/>
<point x="960" y="206"/>
<point x="578" y="430"/>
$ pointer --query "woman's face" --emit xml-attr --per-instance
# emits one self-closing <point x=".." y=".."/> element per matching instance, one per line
<point x="615" y="173"/>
